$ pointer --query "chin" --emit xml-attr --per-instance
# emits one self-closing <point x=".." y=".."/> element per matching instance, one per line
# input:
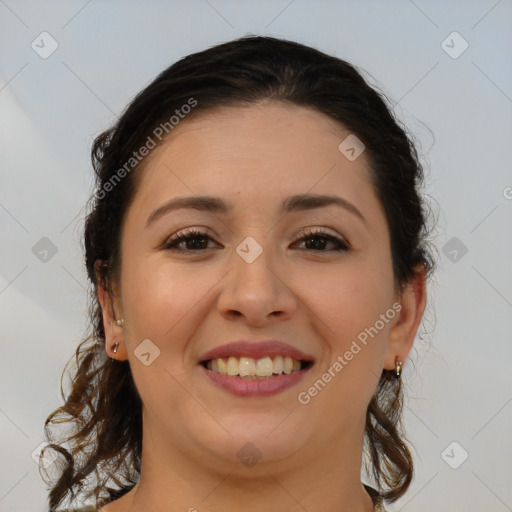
<point x="252" y="440"/>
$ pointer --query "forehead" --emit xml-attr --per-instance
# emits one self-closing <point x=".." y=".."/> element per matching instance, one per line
<point x="266" y="150"/>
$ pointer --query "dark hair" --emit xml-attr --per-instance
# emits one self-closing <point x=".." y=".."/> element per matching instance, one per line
<point x="103" y="406"/>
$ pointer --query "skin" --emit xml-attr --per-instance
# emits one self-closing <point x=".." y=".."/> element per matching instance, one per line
<point x="314" y="298"/>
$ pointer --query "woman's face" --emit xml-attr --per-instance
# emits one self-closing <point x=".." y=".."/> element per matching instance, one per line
<point x="270" y="264"/>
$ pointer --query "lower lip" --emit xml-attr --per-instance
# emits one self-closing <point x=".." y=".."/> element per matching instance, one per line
<point x="255" y="387"/>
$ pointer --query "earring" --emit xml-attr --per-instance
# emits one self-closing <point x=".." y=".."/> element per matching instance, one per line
<point x="398" y="368"/>
<point x="114" y="348"/>
<point x="120" y="321"/>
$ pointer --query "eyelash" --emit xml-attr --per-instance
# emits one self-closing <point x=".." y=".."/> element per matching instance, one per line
<point x="191" y="233"/>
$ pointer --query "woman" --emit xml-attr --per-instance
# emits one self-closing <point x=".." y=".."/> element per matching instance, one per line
<point x="257" y="249"/>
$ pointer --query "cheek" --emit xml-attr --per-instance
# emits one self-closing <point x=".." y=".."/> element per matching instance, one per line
<point x="157" y="295"/>
<point x="349" y="297"/>
<point x="159" y="301"/>
<point x="167" y="304"/>
<point x="349" y="302"/>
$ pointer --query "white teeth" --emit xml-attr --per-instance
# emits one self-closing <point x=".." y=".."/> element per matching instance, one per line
<point x="264" y="367"/>
<point x="223" y="369"/>
<point x="287" y="365"/>
<point x="250" y="368"/>
<point x="277" y="364"/>
<point x="232" y="366"/>
<point x="246" y="366"/>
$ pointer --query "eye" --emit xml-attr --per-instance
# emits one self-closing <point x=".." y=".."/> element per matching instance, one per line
<point x="188" y="240"/>
<point x="317" y="240"/>
<point x="194" y="240"/>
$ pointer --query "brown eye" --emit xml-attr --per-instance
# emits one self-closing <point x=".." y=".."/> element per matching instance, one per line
<point x="318" y="241"/>
<point x="190" y="240"/>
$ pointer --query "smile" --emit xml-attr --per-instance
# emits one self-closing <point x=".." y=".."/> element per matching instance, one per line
<point x="249" y="377"/>
<point x="250" y="368"/>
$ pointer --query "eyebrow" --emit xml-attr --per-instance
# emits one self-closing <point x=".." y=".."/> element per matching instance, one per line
<point x="291" y="204"/>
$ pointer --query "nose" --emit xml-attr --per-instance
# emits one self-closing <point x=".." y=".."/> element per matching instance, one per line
<point x="257" y="292"/>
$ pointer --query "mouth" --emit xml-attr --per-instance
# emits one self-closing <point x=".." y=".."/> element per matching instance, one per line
<point x="255" y="368"/>
<point x="249" y="368"/>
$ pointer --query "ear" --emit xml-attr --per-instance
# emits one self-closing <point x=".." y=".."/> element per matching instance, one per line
<point x="412" y="300"/>
<point x="113" y="333"/>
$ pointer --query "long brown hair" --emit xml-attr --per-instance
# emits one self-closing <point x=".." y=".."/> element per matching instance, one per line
<point x="103" y="408"/>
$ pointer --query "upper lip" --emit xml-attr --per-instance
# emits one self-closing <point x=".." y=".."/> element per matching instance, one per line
<point x="256" y="350"/>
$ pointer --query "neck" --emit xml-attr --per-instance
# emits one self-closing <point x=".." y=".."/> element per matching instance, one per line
<point x="175" y="480"/>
